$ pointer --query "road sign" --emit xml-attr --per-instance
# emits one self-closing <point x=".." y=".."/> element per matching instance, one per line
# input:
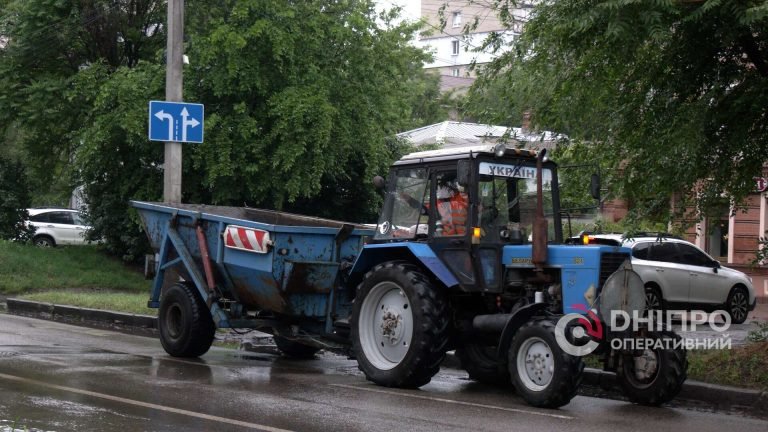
<point x="176" y="121"/>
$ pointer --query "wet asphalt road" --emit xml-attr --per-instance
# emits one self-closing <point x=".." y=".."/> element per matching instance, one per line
<point x="56" y="377"/>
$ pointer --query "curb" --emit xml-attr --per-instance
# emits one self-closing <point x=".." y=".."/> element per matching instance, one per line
<point x="694" y="393"/>
<point x="753" y="402"/>
<point x="73" y="315"/>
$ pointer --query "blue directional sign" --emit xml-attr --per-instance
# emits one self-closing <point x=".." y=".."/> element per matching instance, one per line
<point x="176" y="121"/>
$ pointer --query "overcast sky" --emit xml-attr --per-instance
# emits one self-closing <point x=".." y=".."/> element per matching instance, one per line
<point x="411" y="8"/>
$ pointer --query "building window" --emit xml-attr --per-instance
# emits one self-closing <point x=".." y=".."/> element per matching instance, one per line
<point x="455" y="47"/>
<point x="717" y="241"/>
<point x="457" y="19"/>
<point x="455" y="72"/>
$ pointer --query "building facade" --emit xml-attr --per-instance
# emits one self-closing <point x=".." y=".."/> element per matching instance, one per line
<point x="456" y="45"/>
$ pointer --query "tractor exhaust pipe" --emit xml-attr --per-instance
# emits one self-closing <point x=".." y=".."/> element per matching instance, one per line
<point x="539" y="252"/>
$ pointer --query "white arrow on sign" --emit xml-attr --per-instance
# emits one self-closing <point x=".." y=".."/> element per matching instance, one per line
<point x="163" y="116"/>
<point x="186" y="121"/>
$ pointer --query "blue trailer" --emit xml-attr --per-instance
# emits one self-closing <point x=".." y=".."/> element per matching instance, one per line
<point x="467" y="255"/>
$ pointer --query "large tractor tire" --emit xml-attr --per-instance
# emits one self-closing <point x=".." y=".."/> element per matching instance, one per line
<point x="482" y="364"/>
<point x="399" y="326"/>
<point x="185" y="323"/>
<point x="295" y="349"/>
<point x="653" y="376"/>
<point x="542" y="373"/>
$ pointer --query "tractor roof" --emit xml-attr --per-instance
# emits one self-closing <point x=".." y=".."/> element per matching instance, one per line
<point x="455" y="153"/>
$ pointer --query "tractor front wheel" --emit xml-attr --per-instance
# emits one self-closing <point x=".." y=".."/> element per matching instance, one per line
<point x="399" y="326"/>
<point x="542" y="373"/>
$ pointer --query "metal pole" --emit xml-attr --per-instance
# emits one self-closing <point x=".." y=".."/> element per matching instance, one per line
<point x="173" y="93"/>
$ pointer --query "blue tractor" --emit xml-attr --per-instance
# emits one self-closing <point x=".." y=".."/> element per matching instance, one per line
<point x="496" y="288"/>
<point x="467" y="255"/>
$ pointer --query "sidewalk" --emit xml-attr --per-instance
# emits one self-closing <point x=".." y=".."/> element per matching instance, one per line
<point x="760" y="313"/>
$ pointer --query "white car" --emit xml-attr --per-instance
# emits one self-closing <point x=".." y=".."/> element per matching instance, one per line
<point x="679" y="275"/>
<point x="57" y="226"/>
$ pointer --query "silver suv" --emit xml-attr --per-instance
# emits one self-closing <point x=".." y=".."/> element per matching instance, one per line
<point x="57" y="226"/>
<point x="679" y="275"/>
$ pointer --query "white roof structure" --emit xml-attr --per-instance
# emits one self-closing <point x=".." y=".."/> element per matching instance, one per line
<point x="458" y="134"/>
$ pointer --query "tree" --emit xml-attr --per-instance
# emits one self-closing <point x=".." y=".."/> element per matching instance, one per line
<point x="47" y="45"/>
<point x="14" y="200"/>
<point x="673" y="92"/>
<point x="302" y="99"/>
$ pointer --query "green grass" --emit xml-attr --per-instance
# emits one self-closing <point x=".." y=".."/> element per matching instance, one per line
<point x="135" y="303"/>
<point x="26" y="268"/>
<point x="744" y="366"/>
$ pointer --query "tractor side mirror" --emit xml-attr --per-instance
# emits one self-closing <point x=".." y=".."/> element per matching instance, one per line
<point x="462" y="172"/>
<point x="594" y="186"/>
<point x="379" y="183"/>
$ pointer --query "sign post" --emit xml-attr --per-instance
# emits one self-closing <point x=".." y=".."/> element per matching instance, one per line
<point x="173" y="93"/>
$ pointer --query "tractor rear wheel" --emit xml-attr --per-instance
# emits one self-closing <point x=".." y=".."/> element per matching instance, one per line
<point x="399" y="326"/>
<point x="543" y="374"/>
<point x="185" y="323"/>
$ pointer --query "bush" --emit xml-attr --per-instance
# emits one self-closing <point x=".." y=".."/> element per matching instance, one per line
<point x="14" y="200"/>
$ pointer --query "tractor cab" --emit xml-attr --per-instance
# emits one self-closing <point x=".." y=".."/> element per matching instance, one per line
<point x="467" y="204"/>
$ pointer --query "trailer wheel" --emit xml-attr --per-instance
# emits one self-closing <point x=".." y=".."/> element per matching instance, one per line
<point x="542" y="373"/>
<point x="295" y="349"/>
<point x="482" y="364"/>
<point x="653" y="376"/>
<point x="399" y="326"/>
<point x="186" y="326"/>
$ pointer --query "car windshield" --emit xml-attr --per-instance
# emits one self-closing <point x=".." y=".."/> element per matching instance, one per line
<point x="507" y="201"/>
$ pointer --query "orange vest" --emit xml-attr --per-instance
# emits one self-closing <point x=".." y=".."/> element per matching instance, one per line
<point x="453" y="214"/>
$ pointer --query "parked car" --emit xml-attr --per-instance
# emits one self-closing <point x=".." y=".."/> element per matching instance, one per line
<point x="679" y="275"/>
<point x="57" y="226"/>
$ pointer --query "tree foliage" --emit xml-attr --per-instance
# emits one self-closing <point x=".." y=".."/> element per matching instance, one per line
<point x="673" y="94"/>
<point x="14" y="200"/>
<point x="301" y="99"/>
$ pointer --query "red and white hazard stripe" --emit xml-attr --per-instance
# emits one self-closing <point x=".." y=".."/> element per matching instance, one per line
<point x="247" y="239"/>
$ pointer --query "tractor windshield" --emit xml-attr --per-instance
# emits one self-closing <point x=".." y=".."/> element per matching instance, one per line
<point x="507" y="202"/>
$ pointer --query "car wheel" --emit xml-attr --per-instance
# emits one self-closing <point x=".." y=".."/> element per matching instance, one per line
<point x="44" y="241"/>
<point x="653" y="299"/>
<point x="738" y="305"/>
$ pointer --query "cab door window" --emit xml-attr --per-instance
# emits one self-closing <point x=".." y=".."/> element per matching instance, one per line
<point x="404" y="214"/>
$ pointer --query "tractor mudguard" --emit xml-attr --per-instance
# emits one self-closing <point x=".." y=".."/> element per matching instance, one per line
<point x="520" y="317"/>
<point x="416" y="253"/>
